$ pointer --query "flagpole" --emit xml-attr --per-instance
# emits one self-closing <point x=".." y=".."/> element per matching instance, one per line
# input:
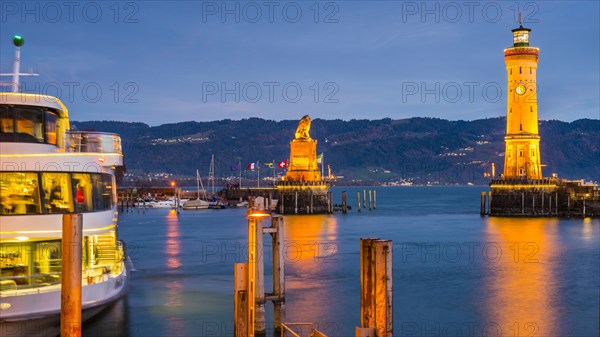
<point x="240" y="165"/>
<point x="323" y="166"/>
<point x="258" y="173"/>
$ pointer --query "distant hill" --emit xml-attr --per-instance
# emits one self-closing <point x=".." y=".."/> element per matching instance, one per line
<point x="418" y="149"/>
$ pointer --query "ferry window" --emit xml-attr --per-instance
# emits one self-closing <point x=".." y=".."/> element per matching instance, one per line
<point x="26" y="264"/>
<point x="48" y="259"/>
<point x="82" y="192"/>
<point x="19" y="193"/>
<point x="29" y="127"/>
<point x="533" y="153"/>
<point x="520" y="70"/>
<point x="102" y="191"/>
<point x="57" y="192"/>
<point x="51" y="119"/>
<point x="7" y="124"/>
<point x="520" y="153"/>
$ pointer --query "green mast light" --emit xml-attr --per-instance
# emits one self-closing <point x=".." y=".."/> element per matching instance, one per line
<point x="18" y="40"/>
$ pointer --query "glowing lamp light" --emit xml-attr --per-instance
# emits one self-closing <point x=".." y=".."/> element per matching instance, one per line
<point x="101" y="159"/>
<point x="172" y="183"/>
<point x="22" y="238"/>
<point x="18" y="40"/>
<point x="257" y="213"/>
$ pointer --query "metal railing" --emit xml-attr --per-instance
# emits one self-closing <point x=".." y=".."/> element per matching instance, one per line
<point x="92" y="141"/>
<point x="286" y="328"/>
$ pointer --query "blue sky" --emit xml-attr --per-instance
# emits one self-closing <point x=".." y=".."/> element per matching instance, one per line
<point x="163" y="62"/>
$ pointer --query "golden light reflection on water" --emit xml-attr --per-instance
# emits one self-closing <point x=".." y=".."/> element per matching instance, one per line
<point x="521" y="285"/>
<point x="174" y="286"/>
<point x="311" y="253"/>
<point x="173" y="246"/>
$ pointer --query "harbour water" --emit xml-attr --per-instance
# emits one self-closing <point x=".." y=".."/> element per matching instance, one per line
<point x="455" y="273"/>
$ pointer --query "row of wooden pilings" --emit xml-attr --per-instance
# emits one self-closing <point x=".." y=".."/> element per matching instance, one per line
<point x="376" y="284"/>
<point x="126" y="201"/>
<point x="532" y="204"/>
<point x="372" y="200"/>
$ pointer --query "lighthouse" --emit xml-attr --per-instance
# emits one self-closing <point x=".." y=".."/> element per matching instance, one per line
<point x="522" y="155"/>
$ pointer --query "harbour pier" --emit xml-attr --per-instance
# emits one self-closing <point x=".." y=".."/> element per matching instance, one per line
<point x="304" y="190"/>
<point x="542" y="198"/>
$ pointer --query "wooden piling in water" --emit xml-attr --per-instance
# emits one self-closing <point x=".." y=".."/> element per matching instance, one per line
<point x="256" y="285"/>
<point x="278" y="272"/>
<point x="358" y="200"/>
<point x="482" y="206"/>
<point x="240" y="300"/>
<point x="489" y="202"/>
<point x="376" y="286"/>
<point x="344" y="203"/>
<point x="296" y="201"/>
<point x="70" y="298"/>
<point x="364" y="198"/>
<point x="370" y="200"/>
<point x="374" y="199"/>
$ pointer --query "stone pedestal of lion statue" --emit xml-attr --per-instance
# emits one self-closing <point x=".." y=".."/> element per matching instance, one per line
<point x="303" y="164"/>
<point x="303" y="190"/>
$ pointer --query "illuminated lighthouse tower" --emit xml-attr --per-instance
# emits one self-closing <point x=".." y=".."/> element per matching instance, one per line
<point x="522" y="156"/>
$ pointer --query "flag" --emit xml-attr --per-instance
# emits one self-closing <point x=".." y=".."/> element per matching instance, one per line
<point x="283" y="164"/>
<point x="251" y="166"/>
<point x="269" y="165"/>
<point x="320" y="158"/>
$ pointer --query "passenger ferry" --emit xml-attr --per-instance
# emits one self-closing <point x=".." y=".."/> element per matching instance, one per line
<point x="48" y="170"/>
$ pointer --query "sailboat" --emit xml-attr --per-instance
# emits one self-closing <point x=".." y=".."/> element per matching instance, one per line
<point x="197" y="203"/>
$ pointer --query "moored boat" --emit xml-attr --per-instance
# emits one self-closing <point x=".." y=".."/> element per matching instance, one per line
<point x="48" y="170"/>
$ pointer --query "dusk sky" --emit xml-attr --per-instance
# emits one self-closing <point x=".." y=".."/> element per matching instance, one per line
<point x="163" y="62"/>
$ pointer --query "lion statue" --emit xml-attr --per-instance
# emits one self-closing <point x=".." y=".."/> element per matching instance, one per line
<point x="303" y="128"/>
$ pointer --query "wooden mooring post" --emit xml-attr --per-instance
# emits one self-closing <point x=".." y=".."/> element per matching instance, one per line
<point x="376" y="286"/>
<point x="70" y="298"/>
<point x="370" y="200"/>
<point x="240" y="299"/>
<point x="344" y="203"/>
<point x="249" y="294"/>
<point x="482" y="209"/>
<point x="364" y="198"/>
<point x="358" y="200"/>
<point x="374" y="199"/>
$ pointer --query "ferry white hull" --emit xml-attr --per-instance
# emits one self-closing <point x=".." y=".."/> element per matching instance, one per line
<point x="36" y="312"/>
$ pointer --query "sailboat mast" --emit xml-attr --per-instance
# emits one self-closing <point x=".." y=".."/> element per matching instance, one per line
<point x="198" y="183"/>
<point x="212" y="173"/>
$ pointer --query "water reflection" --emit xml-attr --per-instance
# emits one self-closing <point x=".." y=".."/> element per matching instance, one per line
<point x="311" y="245"/>
<point x="174" y="300"/>
<point x="521" y="285"/>
<point x="173" y="246"/>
